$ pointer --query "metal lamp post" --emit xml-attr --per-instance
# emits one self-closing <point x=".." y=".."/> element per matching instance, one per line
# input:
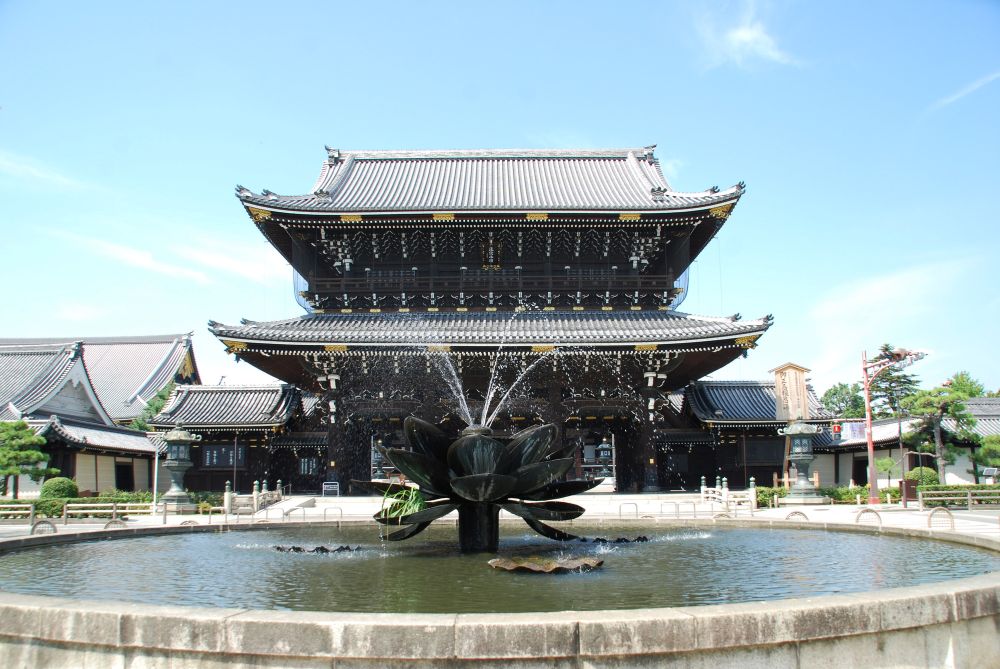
<point x="604" y="450"/>
<point x="177" y="462"/>
<point x="900" y="358"/>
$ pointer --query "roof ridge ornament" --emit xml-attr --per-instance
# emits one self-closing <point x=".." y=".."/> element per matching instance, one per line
<point x="647" y="153"/>
<point x="243" y="193"/>
<point x="333" y="155"/>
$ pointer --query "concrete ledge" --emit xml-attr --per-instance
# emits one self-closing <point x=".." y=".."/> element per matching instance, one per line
<point x="954" y="623"/>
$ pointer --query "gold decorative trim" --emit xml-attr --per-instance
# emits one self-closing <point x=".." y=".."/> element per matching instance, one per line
<point x="721" y="212"/>
<point x="432" y="309"/>
<point x="234" y="346"/>
<point x="536" y="216"/>
<point x="607" y="308"/>
<point x="444" y="216"/>
<point x="374" y="311"/>
<point x="645" y="347"/>
<point x="404" y="310"/>
<point x="548" y="308"/>
<point x="347" y="311"/>
<point x="491" y="308"/>
<point x="335" y="348"/>
<point x="258" y="214"/>
<point x="578" y="308"/>
<point x="629" y="217"/>
<point x="461" y="308"/>
<point x="542" y="348"/>
<point x="635" y="308"/>
<point x="748" y="341"/>
<point x="351" y="218"/>
<point x="439" y="348"/>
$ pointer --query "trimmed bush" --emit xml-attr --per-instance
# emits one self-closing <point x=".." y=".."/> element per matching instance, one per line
<point x="925" y="476"/>
<point x="765" y="495"/>
<point x="60" y="486"/>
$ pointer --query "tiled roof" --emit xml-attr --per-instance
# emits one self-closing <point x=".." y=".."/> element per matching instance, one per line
<point x="570" y="328"/>
<point x="125" y="371"/>
<point x="492" y="180"/>
<point x="987" y="413"/>
<point x="228" y="407"/>
<point x="884" y="431"/>
<point x="92" y="435"/>
<point x="742" y="401"/>
<point x="300" y="440"/>
<point x="29" y="374"/>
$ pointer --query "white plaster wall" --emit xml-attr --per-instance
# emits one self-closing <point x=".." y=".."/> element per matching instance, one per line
<point x="140" y="472"/>
<point x="86" y="472"/>
<point x="824" y="465"/>
<point x="105" y="473"/>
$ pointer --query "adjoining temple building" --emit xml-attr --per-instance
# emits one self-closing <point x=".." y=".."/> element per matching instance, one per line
<point x="580" y="257"/>
<point x="80" y="393"/>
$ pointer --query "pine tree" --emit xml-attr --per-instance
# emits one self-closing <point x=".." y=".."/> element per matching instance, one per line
<point x="890" y="388"/>
<point x="936" y="407"/>
<point x="20" y="454"/>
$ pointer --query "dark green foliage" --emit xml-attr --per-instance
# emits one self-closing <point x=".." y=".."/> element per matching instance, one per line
<point x="21" y="454"/>
<point x="153" y="407"/>
<point x="934" y="406"/>
<point x="59" y="487"/>
<point x="924" y="475"/>
<point x="845" y="401"/>
<point x="988" y="455"/>
<point x="890" y="388"/>
<point x="960" y="489"/>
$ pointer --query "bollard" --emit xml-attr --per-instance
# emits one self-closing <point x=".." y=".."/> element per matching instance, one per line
<point x="775" y="501"/>
<point x="31" y="516"/>
<point x="227" y="499"/>
<point x="725" y="483"/>
<point x="718" y="482"/>
<point x="281" y="492"/>
<point x="888" y="498"/>
<point x="753" y="481"/>
<point x="263" y="487"/>
<point x="858" y="499"/>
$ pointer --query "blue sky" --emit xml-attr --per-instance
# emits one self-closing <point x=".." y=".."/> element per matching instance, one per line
<point x="868" y="135"/>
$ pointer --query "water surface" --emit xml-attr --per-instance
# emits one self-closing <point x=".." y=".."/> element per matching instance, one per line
<point x="677" y="567"/>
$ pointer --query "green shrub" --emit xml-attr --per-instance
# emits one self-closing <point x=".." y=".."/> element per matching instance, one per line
<point x="924" y="475"/>
<point x="211" y="498"/>
<point x="765" y="495"/>
<point x="60" y="486"/>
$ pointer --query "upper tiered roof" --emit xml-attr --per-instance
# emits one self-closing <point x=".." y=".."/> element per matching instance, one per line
<point x="496" y="180"/>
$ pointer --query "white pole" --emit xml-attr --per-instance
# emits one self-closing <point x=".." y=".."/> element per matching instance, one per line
<point x="156" y="476"/>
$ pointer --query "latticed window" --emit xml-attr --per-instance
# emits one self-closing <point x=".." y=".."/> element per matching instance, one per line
<point x="307" y="466"/>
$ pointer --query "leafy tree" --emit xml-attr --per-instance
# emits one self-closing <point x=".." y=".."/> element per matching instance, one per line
<point x="988" y="455"/>
<point x="935" y="407"/>
<point x="20" y="454"/>
<point x="885" y="466"/>
<point x="923" y="476"/>
<point x="964" y="383"/>
<point x="890" y="388"/>
<point x="845" y="401"/>
<point x="153" y="407"/>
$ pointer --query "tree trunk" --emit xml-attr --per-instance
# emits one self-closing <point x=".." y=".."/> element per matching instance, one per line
<point x="939" y="448"/>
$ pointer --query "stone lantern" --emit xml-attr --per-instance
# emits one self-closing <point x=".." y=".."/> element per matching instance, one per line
<point x="801" y="455"/>
<point x="177" y="462"/>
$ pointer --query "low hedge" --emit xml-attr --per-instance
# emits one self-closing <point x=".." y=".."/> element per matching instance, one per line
<point x="956" y="488"/>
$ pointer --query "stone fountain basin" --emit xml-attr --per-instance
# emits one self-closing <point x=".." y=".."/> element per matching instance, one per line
<point x="953" y="623"/>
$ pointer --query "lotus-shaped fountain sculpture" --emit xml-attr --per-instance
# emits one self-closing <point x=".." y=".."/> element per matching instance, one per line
<point x="479" y="475"/>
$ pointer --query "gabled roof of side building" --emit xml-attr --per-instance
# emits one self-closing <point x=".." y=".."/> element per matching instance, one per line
<point x="126" y="372"/>
<point x="229" y="407"/>
<point x="90" y="436"/>
<point x="492" y="180"/>
<point x="742" y="402"/>
<point x="41" y="379"/>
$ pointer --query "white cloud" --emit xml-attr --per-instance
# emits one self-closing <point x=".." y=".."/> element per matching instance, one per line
<point x="259" y="263"/>
<point x="864" y="313"/>
<point x="79" y="312"/>
<point x="971" y="88"/>
<point x="743" y="44"/>
<point x="21" y="167"/>
<point x="136" y="257"/>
